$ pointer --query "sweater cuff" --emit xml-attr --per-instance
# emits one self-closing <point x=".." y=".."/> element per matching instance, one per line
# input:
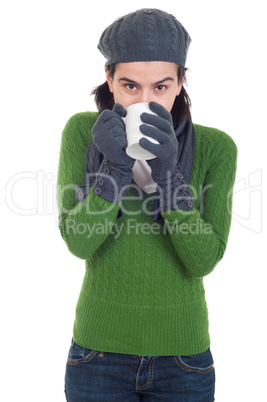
<point x="112" y="182"/>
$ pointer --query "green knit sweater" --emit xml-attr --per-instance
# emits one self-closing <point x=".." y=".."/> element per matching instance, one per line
<point x="143" y="288"/>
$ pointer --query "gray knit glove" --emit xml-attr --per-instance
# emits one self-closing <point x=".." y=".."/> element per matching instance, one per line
<point x="173" y="191"/>
<point x="115" y="173"/>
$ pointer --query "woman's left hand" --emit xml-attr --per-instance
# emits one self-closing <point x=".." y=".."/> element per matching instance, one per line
<point x="160" y="128"/>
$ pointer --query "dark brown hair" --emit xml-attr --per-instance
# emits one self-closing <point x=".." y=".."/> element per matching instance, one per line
<point x="180" y="110"/>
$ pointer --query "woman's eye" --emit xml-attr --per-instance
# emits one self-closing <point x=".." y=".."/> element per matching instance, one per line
<point x="131" y="87"/>
<point x="160" y="88"/>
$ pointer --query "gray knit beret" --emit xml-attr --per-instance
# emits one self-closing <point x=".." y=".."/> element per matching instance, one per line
<point x="145" y="35"/>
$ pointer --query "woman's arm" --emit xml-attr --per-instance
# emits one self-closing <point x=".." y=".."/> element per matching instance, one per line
<point x="84" y="226"/>
<point x="200" y="238"/>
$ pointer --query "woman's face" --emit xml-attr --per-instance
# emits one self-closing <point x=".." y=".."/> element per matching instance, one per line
<point x="145" y="82"/>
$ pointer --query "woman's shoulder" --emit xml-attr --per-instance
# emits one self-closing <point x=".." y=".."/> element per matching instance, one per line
<point x="78" y="127"/>
<point x="82" y="119"/>
<point x="214" y="140"/>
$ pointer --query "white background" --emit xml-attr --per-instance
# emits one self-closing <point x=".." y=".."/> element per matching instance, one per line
<point x="49" y="65"/>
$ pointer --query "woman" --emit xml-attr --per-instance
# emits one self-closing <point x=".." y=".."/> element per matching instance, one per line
<point x="149" y="232"/>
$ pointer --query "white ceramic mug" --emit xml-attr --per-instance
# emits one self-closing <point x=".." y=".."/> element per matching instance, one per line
<point x="132" y="123"/>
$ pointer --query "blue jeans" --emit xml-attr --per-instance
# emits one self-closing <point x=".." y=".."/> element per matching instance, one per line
<point x="97" y="376"/>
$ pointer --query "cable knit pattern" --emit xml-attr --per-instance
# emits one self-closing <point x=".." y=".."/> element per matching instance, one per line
<point x="143" y="288"/>
<point x="174" y="34"/>
<point x="148" y="29"/>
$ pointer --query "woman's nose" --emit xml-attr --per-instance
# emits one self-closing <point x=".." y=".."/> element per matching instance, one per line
<point x="145" y="97"/>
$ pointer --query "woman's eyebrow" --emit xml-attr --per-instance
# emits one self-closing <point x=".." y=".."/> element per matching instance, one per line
<point x="128" y="80"/>
<point x="165" y="79"/>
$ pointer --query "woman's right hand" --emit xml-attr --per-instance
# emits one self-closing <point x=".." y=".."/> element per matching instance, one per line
<point x="109" y="136"/>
